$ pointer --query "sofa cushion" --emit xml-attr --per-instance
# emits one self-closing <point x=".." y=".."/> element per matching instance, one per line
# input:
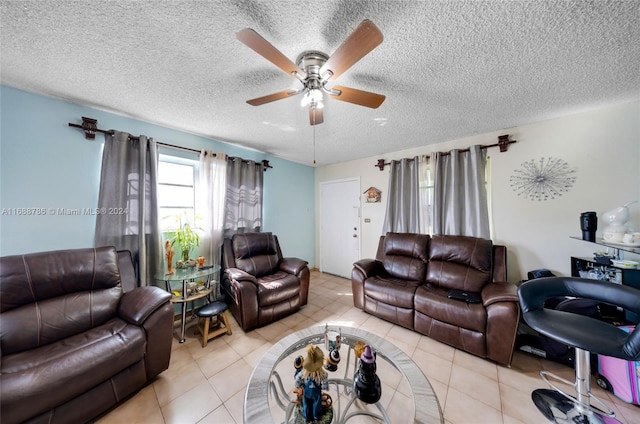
<point x="405" y="255"/>
<point x="391" y="291"/>
<point x="42" y="378"/>
<point x="433" y="302"/>
<point x="51" y="320"/>
<point x="468" y="340"/>
<point x="459" y="262"/>
<point x="276" y="288"/>
<point x="63" y="271"/>
<point x="395" y="314"/>
<point x="46" y="297"/>
<point x="256" y="253"/>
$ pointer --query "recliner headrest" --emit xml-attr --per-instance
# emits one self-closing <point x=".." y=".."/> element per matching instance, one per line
<point x="406" y="244"/>
<point x="253" y="244"/>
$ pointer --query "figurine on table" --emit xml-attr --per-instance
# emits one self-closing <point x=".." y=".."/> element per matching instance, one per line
<point x="315" y="406"/>
<point x="169" y="256"/>
<point x="333" y="358"/>
<point x="366" y="384"/>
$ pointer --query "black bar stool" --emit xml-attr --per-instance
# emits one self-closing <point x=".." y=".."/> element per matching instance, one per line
<point x="587" y="335"/>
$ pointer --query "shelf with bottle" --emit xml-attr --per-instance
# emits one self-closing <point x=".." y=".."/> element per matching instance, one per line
<point x="616" y="246"/>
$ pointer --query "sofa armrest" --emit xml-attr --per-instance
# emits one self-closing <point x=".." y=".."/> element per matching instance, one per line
<point x="499" y="292"/>
<point x="363" y="269"/>
<point x="292" y="265"/>
<point x="503" y="315"/>
<point x="368" y="267"/>
<point x="236" y="274"/>
<point x="299" y="268"/>
<point x="137" y="305"/>
<point x="241" y="293"/>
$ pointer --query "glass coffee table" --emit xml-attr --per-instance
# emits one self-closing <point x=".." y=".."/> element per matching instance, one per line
<point x="269" y="394"/>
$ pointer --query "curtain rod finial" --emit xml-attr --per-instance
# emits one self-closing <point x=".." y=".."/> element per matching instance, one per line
<point x="89" y="126"/>
<point x="381" y="164"/>
<point x="503" y="142"/>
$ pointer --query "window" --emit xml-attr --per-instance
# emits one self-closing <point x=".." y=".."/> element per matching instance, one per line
<point x="426" y="187"/>
<point x="176" y="190"/>
<point x="425" y="196"/>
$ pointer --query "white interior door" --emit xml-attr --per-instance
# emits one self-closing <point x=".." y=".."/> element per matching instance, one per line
<point x="339" y="226"/>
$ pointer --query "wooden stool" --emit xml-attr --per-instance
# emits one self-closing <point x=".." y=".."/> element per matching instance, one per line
<point x="208" y="311"/>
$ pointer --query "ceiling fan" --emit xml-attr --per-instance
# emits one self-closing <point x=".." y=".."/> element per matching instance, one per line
<point x="315" y="70"/>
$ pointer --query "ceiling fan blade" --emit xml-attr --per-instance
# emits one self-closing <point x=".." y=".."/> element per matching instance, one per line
<point x="359" y="97"/>
<point x="315" y="115"/>
<point x="361" y="41"/>
<point x="273" y="97"/>
<point x="254" y="41"/>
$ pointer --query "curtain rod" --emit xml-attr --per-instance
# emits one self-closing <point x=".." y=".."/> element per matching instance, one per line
<point x="503" y="143"/>
<point x="90" y="128"/>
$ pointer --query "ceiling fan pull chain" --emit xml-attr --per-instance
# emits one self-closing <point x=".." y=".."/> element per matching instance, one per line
<point x="314" y="145"/>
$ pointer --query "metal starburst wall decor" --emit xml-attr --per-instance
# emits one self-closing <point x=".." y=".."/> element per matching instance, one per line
<point x="544" y="179"/>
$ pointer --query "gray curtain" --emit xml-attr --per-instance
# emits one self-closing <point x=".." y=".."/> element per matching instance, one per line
<point x="128" y="204"/>
<point x="243" y="206"/>
<point x="403" y="203"/>
<point x="460" y="195"/>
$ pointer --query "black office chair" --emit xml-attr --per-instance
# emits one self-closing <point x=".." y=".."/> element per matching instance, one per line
<point x="587" y="335"/>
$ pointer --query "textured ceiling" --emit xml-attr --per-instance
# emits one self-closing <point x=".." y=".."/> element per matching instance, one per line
<point x="449" y="69"/>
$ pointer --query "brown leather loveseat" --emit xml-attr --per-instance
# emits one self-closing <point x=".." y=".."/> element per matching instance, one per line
<point x="73" y="342"/>
<point x="260" y="285"/>
<point x="409" y="284"/>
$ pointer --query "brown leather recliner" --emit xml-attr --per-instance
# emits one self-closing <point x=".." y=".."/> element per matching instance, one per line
<point x="73" y="342"/>
<point x="260" y="285"/>
<point x="409" y="282"/>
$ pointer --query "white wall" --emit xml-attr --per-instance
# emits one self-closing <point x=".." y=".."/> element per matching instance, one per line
<point x="604" y="148"/>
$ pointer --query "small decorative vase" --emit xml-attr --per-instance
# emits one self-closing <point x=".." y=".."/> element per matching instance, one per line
<point x="366" y="384"/>
<point x="185" y="255"/>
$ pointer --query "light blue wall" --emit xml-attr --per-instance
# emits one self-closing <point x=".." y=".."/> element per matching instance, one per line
<point x="46" y="164"/>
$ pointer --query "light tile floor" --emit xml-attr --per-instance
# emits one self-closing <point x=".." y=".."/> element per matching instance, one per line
<point x="206" y="385"/>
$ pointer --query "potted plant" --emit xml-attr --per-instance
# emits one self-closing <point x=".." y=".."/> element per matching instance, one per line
<point x="185" y="236"/>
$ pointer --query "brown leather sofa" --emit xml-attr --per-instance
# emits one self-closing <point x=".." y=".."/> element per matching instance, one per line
<point x="73" y="342"/>
<point x="409" y="282"/>
<point x="260" y="285"/>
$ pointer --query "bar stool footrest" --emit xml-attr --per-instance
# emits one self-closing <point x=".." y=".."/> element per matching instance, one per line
<point x="546" y="375"/>
<point x="559" y="409"/>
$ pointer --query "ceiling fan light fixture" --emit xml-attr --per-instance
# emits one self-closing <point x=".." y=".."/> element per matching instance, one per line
<point x="312" y="97"/>
<point x="313" y="69"/>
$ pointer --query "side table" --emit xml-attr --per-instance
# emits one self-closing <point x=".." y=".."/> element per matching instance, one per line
<point x="184" y="277"/>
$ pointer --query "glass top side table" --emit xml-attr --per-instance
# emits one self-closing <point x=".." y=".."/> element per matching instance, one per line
<point x="268" y="395"/>
<point x="184" y="278"/>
